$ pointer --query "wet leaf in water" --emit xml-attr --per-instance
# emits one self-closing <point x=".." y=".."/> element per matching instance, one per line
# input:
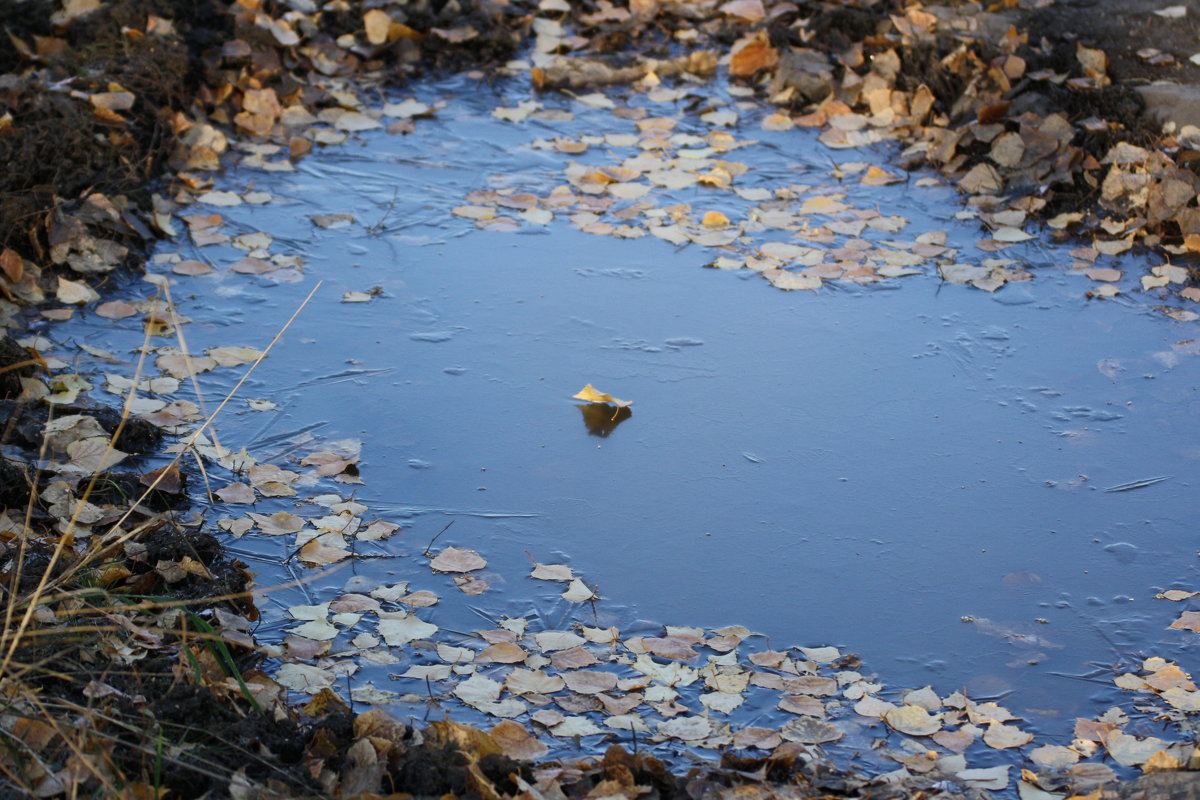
<point x="1001" y="736"/>
<point x="552" y="572"/>
<point x="502" y="653"/>
<point x="1129" y="750"/>
<point x="1188" y="621"/>
<point x="318" y="552"/>
<point x="877" y="176"/>
<point x="524" y="681"/>
<point x="590" y="681"/>
<point x="400" y="631"/>
<point x="229" y="356"/>
<point x="578" y="592"/>
<point x="912" y="720"/>
<point x="471" y="584"/>
<point x="236" y="493"/>
<point x="993" y="778"/>
<point x="115" y="309"/>
<point x="1052" y="755"/>
<point x="806" y="730"/>
<point x="454" y="559"/>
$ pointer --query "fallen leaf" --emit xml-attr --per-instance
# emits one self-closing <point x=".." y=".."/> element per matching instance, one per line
<point x="591" y="394"/>
<point x="236" y="493"/>
<point x="552" y="572"/>
<point x="590" y="681"/>
<point x="912" y="720"/>
<point x="454" y="559"/>
<point x="578" y="592"/>
<point x="75" y="292"/>
<point x="1188" y="621"/>
<point x="516" y="742"/>
<point x="1001" y="736"/>
<point x="502" y="653"/>
<point x="396" y="632"/>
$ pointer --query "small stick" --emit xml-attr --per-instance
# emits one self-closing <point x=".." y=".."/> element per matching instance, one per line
<point x="378" y="226"/>
<point x="439" y="535"/>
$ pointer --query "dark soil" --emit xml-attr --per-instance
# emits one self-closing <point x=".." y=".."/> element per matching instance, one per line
<point x="1121" y="28"/>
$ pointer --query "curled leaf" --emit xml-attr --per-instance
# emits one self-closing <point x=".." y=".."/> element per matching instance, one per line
<point x="593" y="395"/>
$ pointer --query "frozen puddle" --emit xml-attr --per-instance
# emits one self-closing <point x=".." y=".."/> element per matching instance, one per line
<point x="970" y="490"/>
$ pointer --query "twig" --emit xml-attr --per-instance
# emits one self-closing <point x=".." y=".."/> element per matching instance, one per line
<point x="439" y="535"/>
<point x="378" y="226"/>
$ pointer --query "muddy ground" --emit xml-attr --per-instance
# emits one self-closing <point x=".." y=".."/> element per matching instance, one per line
<point x="104" y="115"/>
<point x="1149" y="52"/>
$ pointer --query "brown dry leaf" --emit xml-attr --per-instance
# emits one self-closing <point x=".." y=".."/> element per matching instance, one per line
<point x="552" y="572"/>
<point x="1188" y="621"/>
<point x="502" y="653"/>
<point x="1093" y="61"/>
<point x="1001" y="736"/>
<point x="191" y="267"/>
<point x="454" y="559"/>
<point x="982" y="179"/>
<point x="573" y="658"/>
<point x="688" y="729"/>
<point x="751" y="55"/>
<point x="802" y="704"/>
<point x="749" y="10"/>
<point x="12" y="265"/>
<point x="807" y="730"/>
<point x="516" y="742"/>
<point x="591" y="394"/>
<point x="75" y="292"/>
<point x="578" y="592"/>
<point x="252" y="266"/>
<point x="1052" y="755"/>
<point x="674" y="647"/>
<point x="983" y="713"/>
<point x="115" y="309"/>
<point x="954" y="741"/>
<point x="377" y="25"/>
<point x="550" y="641"/>
<point x="759" y="738"/>
<point x="93" y="455"/>
<point x="590" y="681"/>
<point x="317" y="553"/>
<point x="1104" y="274"/>
<point x="279" y="523"/>
<point x="524" y="681"/>
<point x="472" y="584"/>
<point x="1182" y="699"/>
<point x="912" y="720"/>
<point x="177" y="365"/>
<point x="164" y="479"/>
<point x="236" y="493"/>
<point x="877" y="176"/>
<point x="777" y="122"/>
<point x="229" y="356"/>
<point x="1130" y="751"/>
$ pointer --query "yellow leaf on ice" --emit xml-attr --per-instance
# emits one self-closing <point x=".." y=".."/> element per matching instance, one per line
<point x="591" y="394"/>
